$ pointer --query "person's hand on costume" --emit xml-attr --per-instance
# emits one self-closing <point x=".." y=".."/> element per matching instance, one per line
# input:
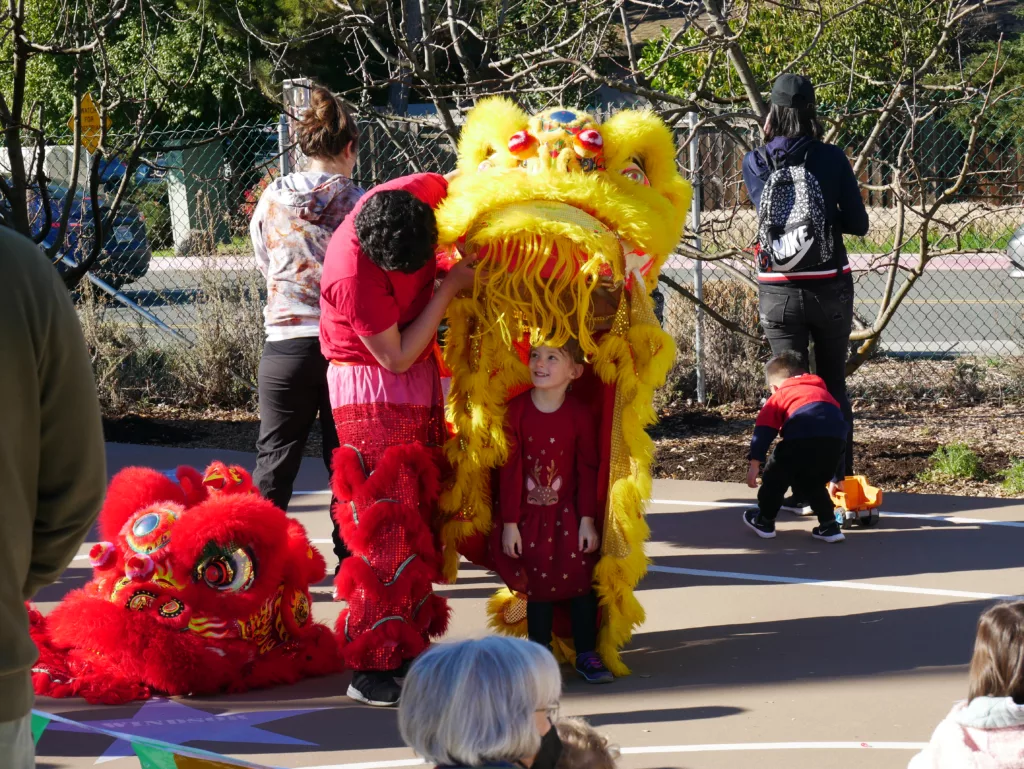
<point x="511" y="540"/>
<point x="752" y="470"/>
<point x="462" y="274"/>
<point x="589" y="538"/>
<point x="452" y="175"/>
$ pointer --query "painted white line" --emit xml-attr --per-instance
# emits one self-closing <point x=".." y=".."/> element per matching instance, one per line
<point x="83" y="557"/>
<point x="654" y="749"/>
<point x="310" y="493"/>
<point x="955" y="519"/>
<point x="322" y="541"/>
<point x="776" y="746"/>
<point x="871" y="586"/>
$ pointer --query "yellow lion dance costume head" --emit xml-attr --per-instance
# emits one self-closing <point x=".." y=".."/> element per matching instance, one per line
<point x="571" y="221"/>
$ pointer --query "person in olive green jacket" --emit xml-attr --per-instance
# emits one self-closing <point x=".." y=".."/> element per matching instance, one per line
<point x="52" y="464"/>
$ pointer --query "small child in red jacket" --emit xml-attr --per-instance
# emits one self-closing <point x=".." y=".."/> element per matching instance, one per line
<point x="813" y="443"/>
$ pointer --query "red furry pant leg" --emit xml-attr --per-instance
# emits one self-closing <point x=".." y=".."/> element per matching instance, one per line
<point x="386" y="481"/>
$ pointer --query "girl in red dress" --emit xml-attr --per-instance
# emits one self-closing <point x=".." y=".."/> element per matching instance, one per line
<point x="547" y="503"/>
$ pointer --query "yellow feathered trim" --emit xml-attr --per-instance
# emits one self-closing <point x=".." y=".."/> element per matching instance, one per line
<point x="486" y="133"/>
<point x="506" y="613"/>
<point x="483" y="369"/>
<point x="638" y="214"/>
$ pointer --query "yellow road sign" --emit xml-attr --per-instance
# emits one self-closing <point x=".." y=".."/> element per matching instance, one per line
<point x="90" y="124"/>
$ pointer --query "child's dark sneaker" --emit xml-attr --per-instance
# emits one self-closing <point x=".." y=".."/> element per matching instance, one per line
<point x="830" y="532"/>
<point x="764" y="528"/>
<point x="792" y="504"/>
<point x="589" y="666"/>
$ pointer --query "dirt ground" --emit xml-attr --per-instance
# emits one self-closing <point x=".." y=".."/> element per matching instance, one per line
<point x="892" y="443"/>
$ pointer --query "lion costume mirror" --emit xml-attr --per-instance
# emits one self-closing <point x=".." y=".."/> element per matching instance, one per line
<point x="571" y="221"/>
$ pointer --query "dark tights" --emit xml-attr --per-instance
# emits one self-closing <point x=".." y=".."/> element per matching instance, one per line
<point x="540" y="617"/>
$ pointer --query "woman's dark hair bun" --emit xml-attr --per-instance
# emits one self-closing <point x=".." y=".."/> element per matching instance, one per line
<point x="326" y="127"/>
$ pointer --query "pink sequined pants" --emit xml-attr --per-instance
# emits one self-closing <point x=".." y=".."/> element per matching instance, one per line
<point x="386" y="481"/>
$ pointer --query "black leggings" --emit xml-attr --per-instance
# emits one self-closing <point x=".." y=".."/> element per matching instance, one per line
<point x="293" y="395"/>
<point x="540" y="617"/>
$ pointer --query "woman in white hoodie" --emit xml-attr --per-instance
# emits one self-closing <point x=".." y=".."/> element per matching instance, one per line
<point x="986" y="731"/>
<point x="290" y="229"/>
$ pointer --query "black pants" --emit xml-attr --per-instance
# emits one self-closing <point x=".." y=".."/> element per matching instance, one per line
<point x="793" y="316"/>
<point x="292" y="392"/>
<point x="540" y="617"/>
<point x="806" y="465"/>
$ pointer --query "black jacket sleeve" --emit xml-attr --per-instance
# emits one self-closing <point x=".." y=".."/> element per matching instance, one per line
<point x="853" y="217"/>
<point x="752" y="179"/>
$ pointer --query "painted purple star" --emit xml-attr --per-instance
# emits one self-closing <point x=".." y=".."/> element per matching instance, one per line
<point x="177" y="723"/>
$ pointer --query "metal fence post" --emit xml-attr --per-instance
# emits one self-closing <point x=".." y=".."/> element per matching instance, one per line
<point x="698" y="265"/>
<point x="282" y="144"/>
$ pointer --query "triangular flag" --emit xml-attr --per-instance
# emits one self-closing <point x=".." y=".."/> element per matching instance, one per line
<point x="154" y="758"/>
<point x="39" y="724"/>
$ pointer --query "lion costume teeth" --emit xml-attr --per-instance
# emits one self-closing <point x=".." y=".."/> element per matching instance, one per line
<point x="552" y="204"/>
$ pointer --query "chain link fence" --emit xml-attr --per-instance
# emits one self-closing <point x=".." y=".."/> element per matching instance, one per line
<point x="179" y="254"/>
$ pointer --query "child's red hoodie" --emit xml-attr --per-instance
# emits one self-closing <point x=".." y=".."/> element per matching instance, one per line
<point x="800" y="408"/>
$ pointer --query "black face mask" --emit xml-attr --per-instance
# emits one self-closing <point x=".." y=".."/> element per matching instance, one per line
<point x="550" y="750"/>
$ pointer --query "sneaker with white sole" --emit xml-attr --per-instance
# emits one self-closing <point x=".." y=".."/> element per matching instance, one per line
<point x="376" y="688"/>
<point x="830" y="532"/>
<point x="764" y="528"/>
<point x="796" y="506"/>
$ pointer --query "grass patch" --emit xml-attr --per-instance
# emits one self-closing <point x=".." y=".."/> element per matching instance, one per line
<point x="957" y="461"/>
<point x="1013" y="477"/>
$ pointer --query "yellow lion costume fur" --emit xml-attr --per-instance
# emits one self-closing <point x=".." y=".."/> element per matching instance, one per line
<point x="571" y="220"/>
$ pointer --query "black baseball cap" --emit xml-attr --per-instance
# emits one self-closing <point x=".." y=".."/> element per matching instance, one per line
<point x="793" y="91"/>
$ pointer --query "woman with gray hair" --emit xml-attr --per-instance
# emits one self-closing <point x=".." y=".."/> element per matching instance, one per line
<point x="486" y="703"/>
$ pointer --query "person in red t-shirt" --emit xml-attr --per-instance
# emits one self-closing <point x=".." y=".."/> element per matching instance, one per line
<point x="378" y="325"/>
<point x="547" y="546"/>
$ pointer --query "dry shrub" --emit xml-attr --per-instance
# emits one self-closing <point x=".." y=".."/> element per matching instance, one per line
<point x="221" y="367"/>
<point x="733" y="364"/>
<point x="129" y="369"/>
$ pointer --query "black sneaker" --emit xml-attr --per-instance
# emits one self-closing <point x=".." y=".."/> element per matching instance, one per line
<point x="796" y="506"/>
<point x="590" y="666"/>
<point x="764" y="528"/>
<point x="830" y="532"/>
<point x="376" y="688"/>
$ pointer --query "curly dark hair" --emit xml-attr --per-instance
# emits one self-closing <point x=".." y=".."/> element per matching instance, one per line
<point x="397" y="230"/>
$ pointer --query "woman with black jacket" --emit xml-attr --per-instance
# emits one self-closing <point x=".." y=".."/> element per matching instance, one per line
<point x="807" y="198"/>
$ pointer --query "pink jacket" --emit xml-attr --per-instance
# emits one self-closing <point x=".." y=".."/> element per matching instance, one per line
<point x="986" y="733"/>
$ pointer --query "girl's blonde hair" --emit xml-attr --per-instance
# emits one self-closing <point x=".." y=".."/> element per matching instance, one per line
<point x="997" y="667"/>
<point x="583" y="747"/>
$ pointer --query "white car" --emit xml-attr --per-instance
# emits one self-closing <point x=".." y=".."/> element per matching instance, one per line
<point x="1015" y="253"/>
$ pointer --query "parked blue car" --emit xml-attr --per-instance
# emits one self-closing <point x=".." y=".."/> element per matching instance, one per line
<point x="126" y="252"/>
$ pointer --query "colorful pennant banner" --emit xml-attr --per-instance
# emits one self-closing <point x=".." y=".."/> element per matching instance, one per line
<point x="152" y="754"/>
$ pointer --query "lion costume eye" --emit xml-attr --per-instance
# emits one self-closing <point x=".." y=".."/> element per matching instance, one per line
<point x="230" y="572"/>
<point x="635" y="173"/>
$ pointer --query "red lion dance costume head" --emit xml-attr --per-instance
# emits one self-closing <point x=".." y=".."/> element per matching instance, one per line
<point x="198" y="587"/>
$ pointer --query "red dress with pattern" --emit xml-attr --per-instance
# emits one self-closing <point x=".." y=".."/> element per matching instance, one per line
<point x="547" y="485"/>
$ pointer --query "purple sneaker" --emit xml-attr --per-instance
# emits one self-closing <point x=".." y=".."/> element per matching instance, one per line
<point x="589" y="666"/>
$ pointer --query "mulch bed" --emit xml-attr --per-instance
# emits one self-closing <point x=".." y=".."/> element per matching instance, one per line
<point x="893" y="442"/>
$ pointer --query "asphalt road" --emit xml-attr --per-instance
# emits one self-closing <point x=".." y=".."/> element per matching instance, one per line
<point x="969" y="306"/>
<point x="781" y="654"/>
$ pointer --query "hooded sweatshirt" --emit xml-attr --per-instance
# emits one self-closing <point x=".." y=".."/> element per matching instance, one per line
<point x="985" y="733"/>
<point x="843" y="203"/>
<point x="290" y="230"/>
<point x="52" y="463"/>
